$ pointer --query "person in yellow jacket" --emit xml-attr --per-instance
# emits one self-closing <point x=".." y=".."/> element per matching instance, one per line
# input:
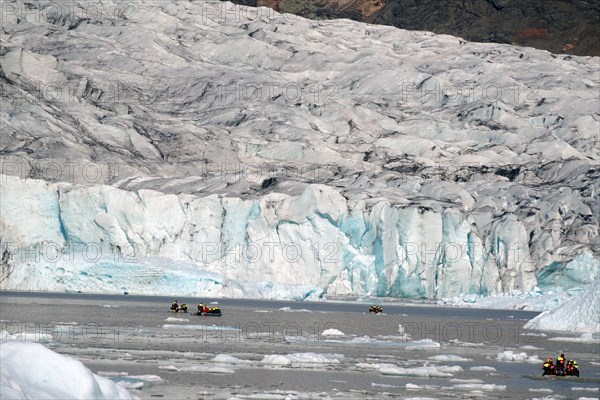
<point x="572" y="368"/>
<point x="548" y="368"/>
<point x="560" y="365"/>
<point x="575" y="368"/>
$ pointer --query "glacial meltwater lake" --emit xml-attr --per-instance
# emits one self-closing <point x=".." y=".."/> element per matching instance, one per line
<point x="262" y="349"/>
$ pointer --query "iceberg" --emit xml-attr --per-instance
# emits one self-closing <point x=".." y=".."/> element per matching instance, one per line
<point x="32" y="371"/>
<point x="579" y="314"/>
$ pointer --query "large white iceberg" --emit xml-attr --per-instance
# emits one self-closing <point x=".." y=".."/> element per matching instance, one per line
<point x="580" y="314"/>
<point x="32" y="371"/>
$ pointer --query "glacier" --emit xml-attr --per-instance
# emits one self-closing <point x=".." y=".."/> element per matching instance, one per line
<point x="203" y="148"/>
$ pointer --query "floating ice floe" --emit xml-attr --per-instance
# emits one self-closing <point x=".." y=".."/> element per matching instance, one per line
<point x="147" y="378"/>
<point x="479" y="386"/>
<point x="301" y="358"/>
<point x="448" y="357"/>
<point x="466" y="344"/>
<point x="363" y="339"/>
<point x="383" y="385"/>
<point x="173" y="319"/>
<point x="168" y="367"/>
<point x="228" y="359"/>
<point x="585" y="389"/>
<point x="276" y="359"/>
<point x="388" y="341"/>
<point x="290" y="309"/>
<point x="456" y="380"/>
<point x="540" y="334"/>
<point x="412" y="386"/>
<point x="424" y="372"/>
<point x="509" y="355"/>
<point x="483" y="368"/>
<point x="111" y="373"/>
<point x="420" y="398"/>
<point x="374" y="365"/>
<point x="541" y="390"/>
<point x="213" y="369"/>
<point x="332" y="332"/>
<point x="424" y="344"/>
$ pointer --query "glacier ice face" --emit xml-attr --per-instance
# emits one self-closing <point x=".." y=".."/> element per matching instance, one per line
<point x="107" y="239"/>
<point x="582" y="270"/>
<point x="399" y="164"/>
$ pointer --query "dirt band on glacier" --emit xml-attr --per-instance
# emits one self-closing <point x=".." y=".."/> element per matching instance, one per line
<point x="87" y="172"/>
<point x="263" y="173"/>
<point x="247" y="93"/>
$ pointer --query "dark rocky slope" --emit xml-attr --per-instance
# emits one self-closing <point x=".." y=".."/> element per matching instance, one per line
<point x="559" y="26"/>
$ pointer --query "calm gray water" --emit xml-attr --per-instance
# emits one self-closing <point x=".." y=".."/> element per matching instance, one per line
<point x="131" y="334"/>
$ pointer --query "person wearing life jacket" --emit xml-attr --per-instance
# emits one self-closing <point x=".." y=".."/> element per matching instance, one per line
<point x="560" y="365"/>
<point x="200" y="308"/>
<point x="175" y="306"/>
<point x="569" y="368"/>
<point x="183" y="307"/>
<point x="375" y="309"/>
<point x="548" y="368"/>
<point x="572" y="368"/>
<point x="205" y="309"/>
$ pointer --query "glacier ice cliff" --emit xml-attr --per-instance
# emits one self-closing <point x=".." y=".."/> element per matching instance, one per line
<point x="63" y="236"/>
<point x="212" y="148"/>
